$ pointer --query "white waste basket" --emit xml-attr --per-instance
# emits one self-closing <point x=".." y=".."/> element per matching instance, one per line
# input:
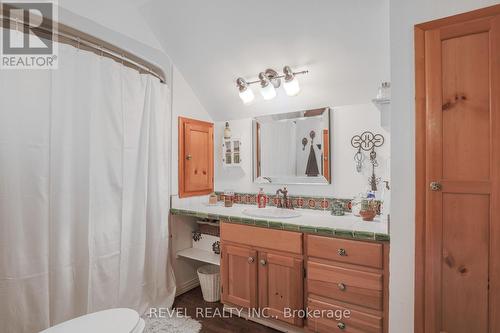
<point x="209" y="276"/>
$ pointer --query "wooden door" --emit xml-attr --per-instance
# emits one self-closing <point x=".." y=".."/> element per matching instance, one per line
<point x="281" y="280"/>
<point x="239" y="276"/>
<point x="196" y="162"/>
<point x="459" y="175"/>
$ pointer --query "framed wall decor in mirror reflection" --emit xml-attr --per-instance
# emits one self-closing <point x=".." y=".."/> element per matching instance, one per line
<point x="292" y="148"/>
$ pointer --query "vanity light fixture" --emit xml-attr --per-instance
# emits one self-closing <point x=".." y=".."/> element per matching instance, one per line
<point x="246" y="94"/>
<point x="269" y="81"/>
<point x="291" y="84"/>
<point x="266" y="87"/>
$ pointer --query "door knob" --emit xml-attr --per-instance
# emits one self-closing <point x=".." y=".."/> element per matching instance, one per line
<point x="250" y="260"/>
<point x="435" y="186"/>
<point x="341" y="325"/>
<point x="341" y="286"/>
<point x="342" y="252"/>
<point x="263" y="262"/>
<point x="189" y="157"/>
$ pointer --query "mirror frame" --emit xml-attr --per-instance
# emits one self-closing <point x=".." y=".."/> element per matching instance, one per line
<point x="263" y="180"/>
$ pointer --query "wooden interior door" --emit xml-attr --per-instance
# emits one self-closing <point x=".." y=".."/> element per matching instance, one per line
<point x="281" y="280"/>
<point x="458" y="180"/>
<point x="239" y="276"/>
<point x="196" y="160"/>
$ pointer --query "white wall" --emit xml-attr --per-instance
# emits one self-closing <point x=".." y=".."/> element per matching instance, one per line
<point x="118" y="15"/>
<point x="186" y="104"/>
<point x="404" y="14"/>
<point x="346" y="182"/>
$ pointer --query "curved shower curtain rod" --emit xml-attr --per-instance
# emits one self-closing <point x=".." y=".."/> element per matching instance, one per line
<point x="67" y="35"/>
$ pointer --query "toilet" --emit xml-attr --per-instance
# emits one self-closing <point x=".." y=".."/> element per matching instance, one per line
<point x="113" y="320"/>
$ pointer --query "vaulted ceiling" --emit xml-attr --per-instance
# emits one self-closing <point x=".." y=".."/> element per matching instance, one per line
<point x="344" y="45"/>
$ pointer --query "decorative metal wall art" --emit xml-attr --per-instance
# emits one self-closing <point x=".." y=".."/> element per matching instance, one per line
<point x="367" y="141"/>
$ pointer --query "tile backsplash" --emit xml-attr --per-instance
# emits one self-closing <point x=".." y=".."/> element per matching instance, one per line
<point x="305" y="202"/>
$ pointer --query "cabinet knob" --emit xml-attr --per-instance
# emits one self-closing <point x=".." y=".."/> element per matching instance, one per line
<point x="341" y="325"/>
<point x="189" y="157"/>
<point x="342" y="252"/>
<point x="341" y="286"/>
<point x="263" y="262"/>
<point x="251" y="260"/>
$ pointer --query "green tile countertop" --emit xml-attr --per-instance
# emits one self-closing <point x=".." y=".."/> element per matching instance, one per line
<point x="311" y="222"/>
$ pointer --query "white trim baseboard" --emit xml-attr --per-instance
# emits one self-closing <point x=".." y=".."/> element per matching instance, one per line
<point x="187" y="286"/>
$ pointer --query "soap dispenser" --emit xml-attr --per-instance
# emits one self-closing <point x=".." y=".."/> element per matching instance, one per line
<point x="261" y="199"/>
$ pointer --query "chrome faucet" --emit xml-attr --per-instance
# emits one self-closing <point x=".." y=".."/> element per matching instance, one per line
<point x="285" y="203"/>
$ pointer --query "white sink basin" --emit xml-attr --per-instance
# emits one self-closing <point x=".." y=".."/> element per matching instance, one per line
<point x="271" y="212"/>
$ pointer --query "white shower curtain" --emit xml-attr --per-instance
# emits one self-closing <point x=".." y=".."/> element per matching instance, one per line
<point x="84" y="191"/>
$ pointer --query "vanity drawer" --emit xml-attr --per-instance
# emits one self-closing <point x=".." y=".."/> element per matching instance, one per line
<point x="343" y="250"/>
<point x="356" y="322"/>
<point x="347" y="285"/>
<point x="280" y="240"/>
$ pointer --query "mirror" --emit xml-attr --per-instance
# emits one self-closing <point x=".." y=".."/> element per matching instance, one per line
<point x="292" y="148"/>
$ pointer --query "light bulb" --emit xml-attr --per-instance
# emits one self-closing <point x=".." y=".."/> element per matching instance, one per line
<point x="246" y="95"/>
<point x="268" y="92"/>
<point x="291" y="87"/>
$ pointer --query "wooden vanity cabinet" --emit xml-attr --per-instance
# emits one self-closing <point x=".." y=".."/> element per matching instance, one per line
<point x="348" y="275"/>
<point x="276" y="269"/>
<point x="196" y="157"/>
<point x="239" y="275"/>
<point x="281" y="285"/>
<point x="262" y="269"/>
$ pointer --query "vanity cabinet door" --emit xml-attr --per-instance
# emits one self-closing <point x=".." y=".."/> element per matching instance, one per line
<point x="239" y="276"/>
<point x="196" y="161"/>
<point x="281" y="280"/>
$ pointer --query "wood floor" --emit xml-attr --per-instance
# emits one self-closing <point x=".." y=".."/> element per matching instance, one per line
<point x="193" y="299"/>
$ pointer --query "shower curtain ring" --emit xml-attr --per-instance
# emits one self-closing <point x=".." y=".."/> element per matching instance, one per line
<point x="78" y="43"/>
